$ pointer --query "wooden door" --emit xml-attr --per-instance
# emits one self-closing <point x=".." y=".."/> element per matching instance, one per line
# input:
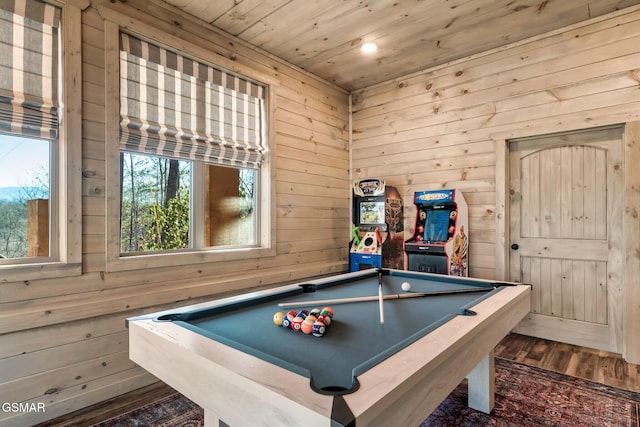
<point x="566" y="235"/>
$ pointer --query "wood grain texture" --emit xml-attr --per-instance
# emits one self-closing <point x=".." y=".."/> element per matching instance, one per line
<point x="448" y="127"/>
<point x="402" y="389"/>
<point x="439" y="127"/>
<point x="605" y="368"/>
<point x="64" y="342"/>
<point x="325" y="38"/>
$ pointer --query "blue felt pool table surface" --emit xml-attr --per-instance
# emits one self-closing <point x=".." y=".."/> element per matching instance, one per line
<point x="356" y="339"/>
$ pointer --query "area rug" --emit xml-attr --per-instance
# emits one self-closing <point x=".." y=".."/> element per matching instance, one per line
<point x="531" y="397"/>
<point x="174" y="410"/>
<point x="525" y="397"/>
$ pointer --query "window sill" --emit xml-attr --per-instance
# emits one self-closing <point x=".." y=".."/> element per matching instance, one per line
<point x="174" y="259"/>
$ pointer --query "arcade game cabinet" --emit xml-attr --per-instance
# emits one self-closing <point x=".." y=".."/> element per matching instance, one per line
<point x="378" y="233"/>
<point x="440" y="243"/>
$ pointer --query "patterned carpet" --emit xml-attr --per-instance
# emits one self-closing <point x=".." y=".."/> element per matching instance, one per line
<point x="525" y="397"/>
<point x="533" y="397"/>
<point x="171" y="411"/>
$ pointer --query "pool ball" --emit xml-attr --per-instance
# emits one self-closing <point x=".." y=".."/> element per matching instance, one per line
<point x="318" y="329"/>
<point x="406" y="286"/>
<point x="303" y="314"/>
<point x="296" y="323"/>
<point x="307" y="326"/>
<point x="277" y="318"/>
<point x="315" y="312"/>
<point x="325" y="319"/>
<point x="287" y="319"/>
<point x="286" y="322"/>
<point x="328" y="311"/>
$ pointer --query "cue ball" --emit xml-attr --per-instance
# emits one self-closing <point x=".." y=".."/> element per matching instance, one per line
<point x="406" y="286"/>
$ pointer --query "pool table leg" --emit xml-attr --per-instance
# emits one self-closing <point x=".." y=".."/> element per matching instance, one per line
<point x="481" y="381"/>
<point x="212" y="420"/>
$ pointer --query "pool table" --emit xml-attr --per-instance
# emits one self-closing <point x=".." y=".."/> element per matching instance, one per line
<point x="373" y="366"/>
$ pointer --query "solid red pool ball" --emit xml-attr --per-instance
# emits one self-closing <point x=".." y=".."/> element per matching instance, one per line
<point x="277" y="318"/>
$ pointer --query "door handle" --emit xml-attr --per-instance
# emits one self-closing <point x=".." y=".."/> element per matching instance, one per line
<point x="514" y="246"/>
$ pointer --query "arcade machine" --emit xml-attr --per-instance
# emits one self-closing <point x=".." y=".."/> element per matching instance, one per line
<point x="378" y="233"/>
<point x="440" y="243"/>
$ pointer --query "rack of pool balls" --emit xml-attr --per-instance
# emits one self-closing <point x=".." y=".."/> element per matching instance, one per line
<point x="314" y="322"/>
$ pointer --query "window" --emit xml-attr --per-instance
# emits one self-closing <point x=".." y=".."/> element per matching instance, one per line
<point x="24" y="197"/>
<point x="39" y="216"/>
<point x="231" y="207"/>
<point x="155" y="210"/>
<point x="192" y="157"/>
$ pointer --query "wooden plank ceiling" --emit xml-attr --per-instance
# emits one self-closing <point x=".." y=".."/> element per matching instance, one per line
<point x="324" y="37"/>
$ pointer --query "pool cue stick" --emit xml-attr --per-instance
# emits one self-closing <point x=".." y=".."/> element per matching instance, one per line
<point x="386" y="297"/>
<point x="380" y="298"/>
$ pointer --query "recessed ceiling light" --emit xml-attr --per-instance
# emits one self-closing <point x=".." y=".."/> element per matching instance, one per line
<point x="369" y="47"/>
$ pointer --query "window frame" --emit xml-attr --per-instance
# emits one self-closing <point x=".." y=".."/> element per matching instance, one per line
<point x="117" y="261"/>
<point x="65" y="198"/>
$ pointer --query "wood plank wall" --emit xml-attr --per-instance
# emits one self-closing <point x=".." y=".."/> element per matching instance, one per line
<point x="447" y="127"/>
<point x="438" y="129"/>
<point x="63" y="341"/>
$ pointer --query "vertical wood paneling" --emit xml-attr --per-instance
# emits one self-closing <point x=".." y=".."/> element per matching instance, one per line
<point x="600" y="203"/>
<point x="566" y="190"/>
<point x="545" y="285"/>
<point x="577" y="195"/>
<point x="589" y="185"/>
<point x="578" y="284"/>
<point x="555" y="278"/>
<point x="567" y="290"/>
<point x="632" y="241"/>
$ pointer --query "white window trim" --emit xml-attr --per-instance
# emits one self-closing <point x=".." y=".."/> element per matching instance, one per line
<point x="115" y="261"/>
<point x="66" y="210"/>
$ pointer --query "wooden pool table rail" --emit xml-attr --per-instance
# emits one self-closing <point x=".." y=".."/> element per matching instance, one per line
<point x="404" y="389"/>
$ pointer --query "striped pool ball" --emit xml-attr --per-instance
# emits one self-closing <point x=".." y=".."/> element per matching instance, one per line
<point x="318" y="329"/>
<point x="296" y="323"/>
<point x="328" y="311"/>
<point x="326" y="319"/>
<point x="287" y="319"/>
<point x="303" y="314"/>
<point x="286" y="322"/>
<point x="315" y="312"/>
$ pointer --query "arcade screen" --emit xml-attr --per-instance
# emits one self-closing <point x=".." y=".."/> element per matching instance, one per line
<point x="436" y="227"/>
<point x="372" y="213"/>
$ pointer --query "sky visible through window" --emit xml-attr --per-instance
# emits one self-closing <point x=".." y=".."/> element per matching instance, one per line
<point x="21" y="159"/>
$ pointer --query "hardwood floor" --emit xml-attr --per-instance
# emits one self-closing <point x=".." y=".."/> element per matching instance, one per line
<point x="595" y="365"/>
